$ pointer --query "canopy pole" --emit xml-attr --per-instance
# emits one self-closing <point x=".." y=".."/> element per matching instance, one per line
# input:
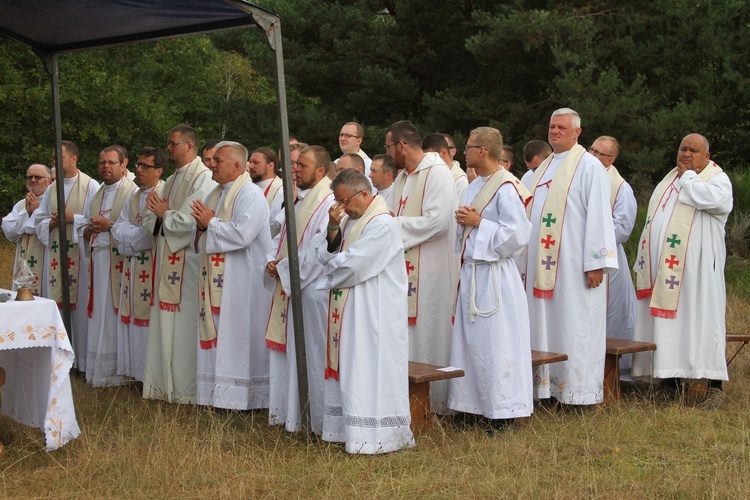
<point x="50" y="63"/>
<point x="271" y="26"/>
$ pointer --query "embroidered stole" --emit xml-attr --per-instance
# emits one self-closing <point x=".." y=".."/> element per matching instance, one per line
<point x="116" y="261"/>
<point x="212" y="268"/>
<point x="553" y="215"/>
<point x="483" y="198"/>
<point x="276" y="329"/>
<point x="143" y="271"/>
<point x="272" y="189"/>
<point x="411" y="206"/>
<point x="173" y="263"/>
<point x="31" y="249"/>
<point x="351" y="232"/>
<point x="664" y="290"/>
<point x="615" y="181"/>
<point x="75" y="202"/>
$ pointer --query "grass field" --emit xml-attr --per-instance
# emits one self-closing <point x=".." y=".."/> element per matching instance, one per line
<point x="640" y="447"/>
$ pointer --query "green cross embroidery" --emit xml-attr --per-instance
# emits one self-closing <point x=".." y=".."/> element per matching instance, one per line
<point x="23" y="252"/>
<point x="55" y="246"/>
<point x="336" y="293"/>
<point x="142" y="258"/>
<point x="203" y="273"/>
<point x="673" y="241"/>
<point x="32" y="261"/>
<point x="549" y="220"/>
<point x="70" y="245"/>
<point x="115" y="251"/>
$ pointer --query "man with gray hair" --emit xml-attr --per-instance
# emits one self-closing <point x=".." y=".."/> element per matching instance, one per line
<point x="28" y="246"/>
<point x="367" y="363"/>
<point x="620" y="291"/>
<point x="572" y="245"/>
<point x="232" y="238"/>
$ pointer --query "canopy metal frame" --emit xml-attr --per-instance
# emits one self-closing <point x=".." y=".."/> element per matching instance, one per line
<point x="21" y="22"/>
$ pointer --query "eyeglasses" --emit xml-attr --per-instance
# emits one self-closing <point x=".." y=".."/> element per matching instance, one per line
<point x="389" y="146"/>
<point x="344" y="202"/>
<point x="467" y="147"/>
<point x="348" y="136"/>
<point x="108" y="162"/>
<point x="144" y="165"/>
<point x="171" y="144"/>
<point x="36" y="177"/>
<point x="599" y="153"/>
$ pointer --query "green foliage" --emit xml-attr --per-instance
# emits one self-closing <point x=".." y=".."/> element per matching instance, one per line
<point x="647" y="72"/>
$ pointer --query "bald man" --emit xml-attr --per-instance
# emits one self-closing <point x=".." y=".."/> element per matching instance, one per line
<point x="16" y="230"/>
<point x="679" y="270"/>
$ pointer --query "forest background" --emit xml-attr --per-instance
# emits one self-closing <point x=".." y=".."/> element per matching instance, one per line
<point x="646" y="72"/>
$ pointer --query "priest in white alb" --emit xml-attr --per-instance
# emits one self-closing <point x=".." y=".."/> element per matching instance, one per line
<point x="681" y="304"/>
<point x="491" y="321"/>
<point x="572" y="246"/>
<point x="620" y="290"/>
<point x="170" y="372"/>
<point x="136" y="244"/>
<point x="262" y="166"/>
<point x="314" y="198"/>
<point x="107" y="268"/>
<point x="16" y="229"/>
<point x="367" y="355"/>
<point x="233" y="239"/>
<point x="79" y="190"/>
<point x="424" y="202"/>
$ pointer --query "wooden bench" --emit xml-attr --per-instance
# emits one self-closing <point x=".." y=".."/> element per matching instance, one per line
<point x="615" y="349"/>
<point x="420" y="376"/>
<point x="737" y="337"/>
<point x="539" y="358"/>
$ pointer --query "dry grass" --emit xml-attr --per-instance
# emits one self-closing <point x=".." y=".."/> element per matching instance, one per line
<point x="640" y="447"/>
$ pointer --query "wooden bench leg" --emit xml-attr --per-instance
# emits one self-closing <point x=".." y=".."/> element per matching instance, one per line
<point x="419" y="404"/>
<point x="612" y="377"/>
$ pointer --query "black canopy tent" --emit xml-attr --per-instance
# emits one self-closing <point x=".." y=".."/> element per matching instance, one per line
<point x="53" y="27"/>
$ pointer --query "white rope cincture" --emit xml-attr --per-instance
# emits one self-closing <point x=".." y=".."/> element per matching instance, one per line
<point x="473" y="311"/>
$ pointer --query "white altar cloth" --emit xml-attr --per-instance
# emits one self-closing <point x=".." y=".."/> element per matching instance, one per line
<point x="36" y="354"/>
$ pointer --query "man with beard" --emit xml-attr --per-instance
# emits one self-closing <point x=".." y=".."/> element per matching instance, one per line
<point x="314" y="199"/>
<point x="262" y="169"/>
